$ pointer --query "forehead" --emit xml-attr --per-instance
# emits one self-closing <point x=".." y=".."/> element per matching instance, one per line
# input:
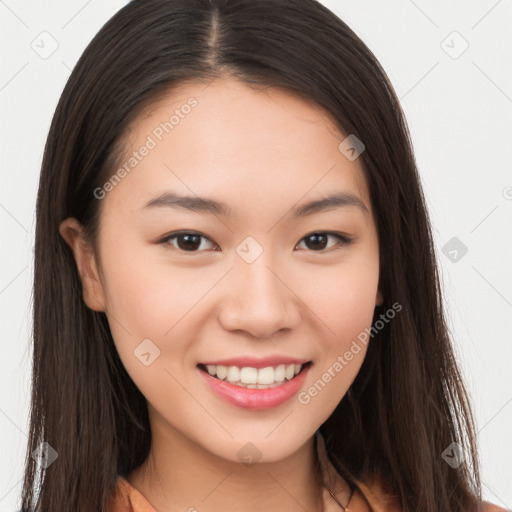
<point x="228" y="139"/>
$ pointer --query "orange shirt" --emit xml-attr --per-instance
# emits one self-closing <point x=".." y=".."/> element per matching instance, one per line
<point x="126" y="498"/>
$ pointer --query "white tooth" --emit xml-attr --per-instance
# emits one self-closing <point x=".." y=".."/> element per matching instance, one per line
<point x="249" y="375"/>
<point x="233" y="374"/>
<point x="252" y="386"/>
<point x="222" y="372"/>
<point x="279" y="373"/>
<point x="266" y="375"/>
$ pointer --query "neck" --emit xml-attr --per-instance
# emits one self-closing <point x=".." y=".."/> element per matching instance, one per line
<point x="180" y="475"/>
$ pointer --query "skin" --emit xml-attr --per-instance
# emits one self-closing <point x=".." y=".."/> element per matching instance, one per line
<point x="262" y="153"/>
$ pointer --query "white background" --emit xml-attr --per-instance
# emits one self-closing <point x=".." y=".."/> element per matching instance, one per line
<point x="459" y="111"/>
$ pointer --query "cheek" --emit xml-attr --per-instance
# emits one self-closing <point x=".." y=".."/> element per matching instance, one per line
<point x="345" y="307"/>
<point x="156" y="301"/>
<point x="342" y="298"/>
<point x="146" y="295"/>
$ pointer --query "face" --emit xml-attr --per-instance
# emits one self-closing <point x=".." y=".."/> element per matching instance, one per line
<point x="244" y="289"/>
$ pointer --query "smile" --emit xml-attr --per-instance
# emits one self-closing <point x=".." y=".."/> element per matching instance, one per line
<point x="255" y="378"/>
<point x="255" y="388"/>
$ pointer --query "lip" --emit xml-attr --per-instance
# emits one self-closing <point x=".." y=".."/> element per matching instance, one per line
<point x="255" y="399"/>
<point x="255" y="362"/>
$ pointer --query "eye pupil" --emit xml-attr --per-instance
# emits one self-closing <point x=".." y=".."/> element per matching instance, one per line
<point x="317" y="242"/>
<point x="189" y="246"/>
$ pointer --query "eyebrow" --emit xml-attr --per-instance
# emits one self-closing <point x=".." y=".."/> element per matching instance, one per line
<point x="210" y="206"/>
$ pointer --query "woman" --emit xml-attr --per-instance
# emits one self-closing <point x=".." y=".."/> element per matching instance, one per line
<point x="236" y="298"/>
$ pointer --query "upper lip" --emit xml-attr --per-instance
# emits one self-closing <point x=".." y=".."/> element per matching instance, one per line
<point x="256" y="362"/>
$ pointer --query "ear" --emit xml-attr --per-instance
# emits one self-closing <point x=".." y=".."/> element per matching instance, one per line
<point x="379" y="300"/>
<point x="72" y="232"/>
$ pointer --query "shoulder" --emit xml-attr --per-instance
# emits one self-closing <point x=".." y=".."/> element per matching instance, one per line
<point x="372" y="493"/>
<point x="380" y="499"/>
<point x="125" y="498"/>
<point x="490" y="507"/>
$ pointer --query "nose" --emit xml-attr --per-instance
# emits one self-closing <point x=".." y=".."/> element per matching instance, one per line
<point x="258" y="300"/>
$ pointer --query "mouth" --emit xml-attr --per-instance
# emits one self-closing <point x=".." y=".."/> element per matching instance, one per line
<point x="256" y="389"/>
<point x="250" y="377"/>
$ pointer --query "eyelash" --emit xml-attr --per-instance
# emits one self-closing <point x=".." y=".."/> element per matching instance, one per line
<point x="343" y="240"/>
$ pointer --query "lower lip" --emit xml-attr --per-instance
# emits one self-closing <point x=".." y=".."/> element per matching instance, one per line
<point x="255" y="399"/>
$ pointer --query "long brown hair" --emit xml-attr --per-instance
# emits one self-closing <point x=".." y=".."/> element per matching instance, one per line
<point x="407" y="404"/>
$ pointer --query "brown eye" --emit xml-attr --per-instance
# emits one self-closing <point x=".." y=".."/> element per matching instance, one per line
<point x="186" y="241"/>
<point x="318" y="242"/>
